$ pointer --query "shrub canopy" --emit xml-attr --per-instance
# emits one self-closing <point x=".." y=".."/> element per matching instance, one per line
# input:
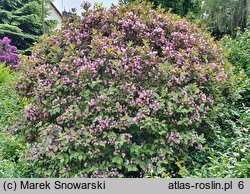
<point x="127" y="91"/>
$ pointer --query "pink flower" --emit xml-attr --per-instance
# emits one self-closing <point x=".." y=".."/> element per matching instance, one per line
<point x="92" y="102"/>
<point x="169" y="84"/>
<point x="154" y="159"/>
<point x="30" y="113"/>
<point x="67" y="80"/>
<point x="150" y="168"/>
<point x="202" y="97"/>
<point x="154" y="106"/>
<point x="158" y="30"/>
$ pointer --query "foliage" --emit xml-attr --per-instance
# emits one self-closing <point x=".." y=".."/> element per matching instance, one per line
<point x="10" y="104"/>
<point x="11" y="145"/>
<point x="7" y="53"/>
<point x="10" y="169"/>
<point x="225" y="16"/>
<point x="229" y="155"/>
<point x="21" y="20"/>
<point x="104" y="102"/>
<point x="239" y="50"/>
<point x="239" y="56"/>
<point x="180" y="7"/>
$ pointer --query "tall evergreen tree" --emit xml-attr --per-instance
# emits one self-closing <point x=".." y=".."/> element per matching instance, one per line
<point x="21" y="21"/>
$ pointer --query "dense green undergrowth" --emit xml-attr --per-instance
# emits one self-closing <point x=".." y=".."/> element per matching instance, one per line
<point x="239" y="55"/>
<point x="228" y="155"/>
<point x="11" y="144"/>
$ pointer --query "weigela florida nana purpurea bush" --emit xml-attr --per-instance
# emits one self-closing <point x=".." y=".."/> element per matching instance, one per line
<point x="121" y="92"/>
<point x="7" y="53"/>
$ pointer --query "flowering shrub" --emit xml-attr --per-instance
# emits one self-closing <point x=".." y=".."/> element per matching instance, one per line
<point x="124" y="92"/>
<point x="7" y="53"/>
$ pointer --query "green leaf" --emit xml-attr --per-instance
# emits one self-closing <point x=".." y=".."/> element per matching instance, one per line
<point x="117" y="160"/>
<point x="131" y="168"/>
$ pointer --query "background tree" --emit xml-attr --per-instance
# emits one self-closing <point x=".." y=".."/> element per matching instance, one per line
<point x="180" y="7"/>
<point x="225" y="16"/>
<point x="21" y="21"/>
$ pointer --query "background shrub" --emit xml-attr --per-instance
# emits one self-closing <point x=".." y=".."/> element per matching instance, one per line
<point x="11" y="104"/>
<point x="124" y="92"/>
<point x="228" y="155"/>
<point x="239" y="56"/>
<point x="11" y="143"/>
<point x="239" y="50"/>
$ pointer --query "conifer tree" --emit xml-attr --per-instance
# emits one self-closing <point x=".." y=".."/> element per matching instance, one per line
<point x="21" y="21"/>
